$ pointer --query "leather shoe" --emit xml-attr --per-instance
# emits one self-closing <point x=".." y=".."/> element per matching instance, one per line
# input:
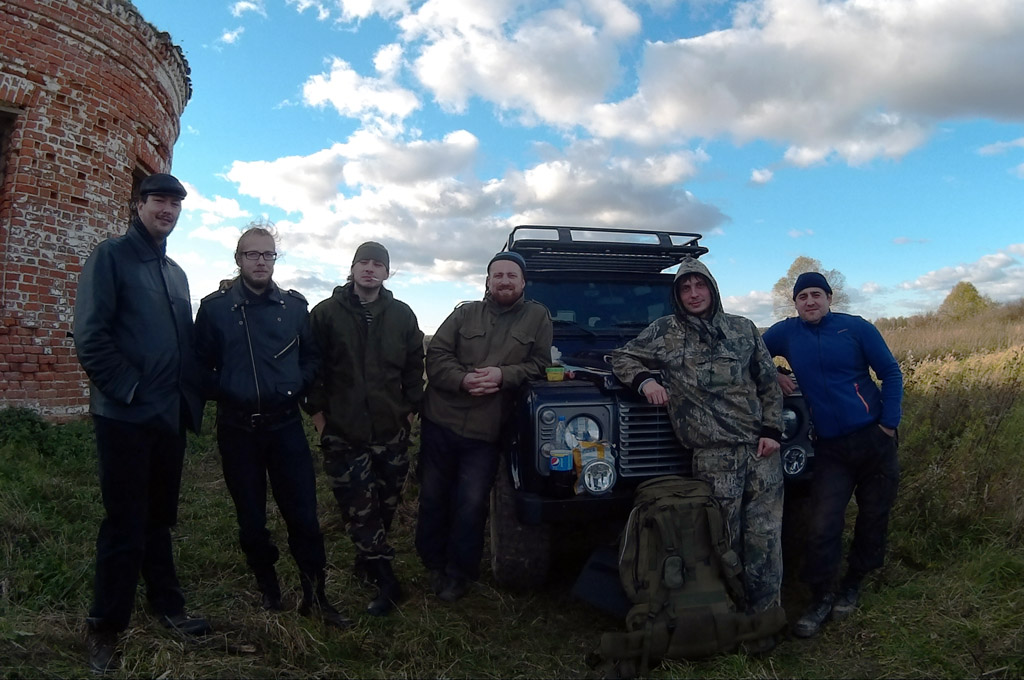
<point x="187" y="625"/>
<point x="326" y="613"/>
<point x="454" y="589"/>
<point x="102" y="647"/>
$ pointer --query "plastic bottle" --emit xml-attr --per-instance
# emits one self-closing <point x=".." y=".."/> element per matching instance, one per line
<point x="560" y="433"/>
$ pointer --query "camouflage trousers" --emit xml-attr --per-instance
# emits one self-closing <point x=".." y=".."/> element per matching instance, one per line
<point x="749" y="489"/>
<point x="367" y="482"/>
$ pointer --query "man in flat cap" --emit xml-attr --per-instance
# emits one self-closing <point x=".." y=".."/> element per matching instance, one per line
<point x="134" y="337"/>
<point x="369" y="385"/>
<point x="482" y="353"/>
<point x="855" y="422"/>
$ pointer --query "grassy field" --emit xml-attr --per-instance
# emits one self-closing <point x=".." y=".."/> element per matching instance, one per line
<point x="949" y="603"/>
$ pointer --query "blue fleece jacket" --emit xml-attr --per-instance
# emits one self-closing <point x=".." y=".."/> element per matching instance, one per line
<point x="831" y="361"/>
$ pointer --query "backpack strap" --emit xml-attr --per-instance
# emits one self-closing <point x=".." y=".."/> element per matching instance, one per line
<point x="728" y="561"/>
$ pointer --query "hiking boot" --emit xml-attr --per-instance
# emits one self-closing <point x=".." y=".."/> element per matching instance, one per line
<point x="815" y="617"/>
<point x="846" y="602"/>
<point x="270" y="590"/>
<point x="389" y="591"/>
<point x="102" y="647"/>
<point x="454" y="589"/>
<point x="328" y="615"/>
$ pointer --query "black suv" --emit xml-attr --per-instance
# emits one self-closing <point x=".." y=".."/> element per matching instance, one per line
<point x="602" y="287"/>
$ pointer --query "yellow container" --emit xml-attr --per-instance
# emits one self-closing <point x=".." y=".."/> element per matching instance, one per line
<point x="555" y="373"/>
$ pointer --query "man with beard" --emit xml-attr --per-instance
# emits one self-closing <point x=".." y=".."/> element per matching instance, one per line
<point x="724" y="403"/>
<point x="855" y="442"/>
<point x="476" y="361"/>
<point x="134" y="337"/>
<point x="369" y="386"/>
<point x="254" y="340"/>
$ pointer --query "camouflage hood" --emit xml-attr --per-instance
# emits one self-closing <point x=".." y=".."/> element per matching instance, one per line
<point x="691" y="265"/>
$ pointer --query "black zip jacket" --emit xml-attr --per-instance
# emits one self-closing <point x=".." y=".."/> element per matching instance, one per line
<point x="258" y="353"/>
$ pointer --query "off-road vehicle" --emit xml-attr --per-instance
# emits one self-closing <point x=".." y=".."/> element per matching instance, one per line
<point x="602" y="287"/>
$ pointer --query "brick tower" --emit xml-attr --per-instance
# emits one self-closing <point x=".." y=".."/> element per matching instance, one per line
<point x="90" y="101"/>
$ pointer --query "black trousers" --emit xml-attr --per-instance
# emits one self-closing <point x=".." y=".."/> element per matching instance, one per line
<point x="281" y="455"/>
<point x="865" y="465"/>
<point x="456" y="475"/>
<point x="140" y="475"/>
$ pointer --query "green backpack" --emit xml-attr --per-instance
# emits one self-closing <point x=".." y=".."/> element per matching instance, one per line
<point x="684" y="580"/>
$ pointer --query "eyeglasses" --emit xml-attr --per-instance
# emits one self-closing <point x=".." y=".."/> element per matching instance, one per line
<point x="268" y="255"/>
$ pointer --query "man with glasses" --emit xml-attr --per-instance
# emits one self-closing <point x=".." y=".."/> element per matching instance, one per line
<point x="254" y="341"/>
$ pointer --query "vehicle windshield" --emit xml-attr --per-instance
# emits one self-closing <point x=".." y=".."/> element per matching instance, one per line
<point x="621" y="307"/>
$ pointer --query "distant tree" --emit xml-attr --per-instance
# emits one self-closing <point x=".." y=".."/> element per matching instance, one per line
<point x="782" y="291"/>
<point x="964" y="301"/>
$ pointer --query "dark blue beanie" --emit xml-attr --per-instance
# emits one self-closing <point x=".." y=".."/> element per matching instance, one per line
<point x="810" y="280"/>
<point x="511" y="257"/>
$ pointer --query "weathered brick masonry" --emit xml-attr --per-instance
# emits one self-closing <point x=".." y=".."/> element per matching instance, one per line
<point x="90" y="101"/>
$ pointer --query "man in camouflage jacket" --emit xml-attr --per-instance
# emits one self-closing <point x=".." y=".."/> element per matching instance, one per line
<point x="719" y="383"/>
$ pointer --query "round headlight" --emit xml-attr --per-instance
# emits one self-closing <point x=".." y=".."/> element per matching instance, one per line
<point x="794" y="460"/>
<point x="547" y="416"/>
<point x="581" y="429"/>
<point x="598" y="476"/>
<point x="790" y="424"/>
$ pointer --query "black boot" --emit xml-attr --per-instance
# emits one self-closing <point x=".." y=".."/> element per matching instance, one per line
<point x="315" y="604"/>
<point x="102" y="645"/>
<point x="270" y="590"/>
<point x="389" y="591"/>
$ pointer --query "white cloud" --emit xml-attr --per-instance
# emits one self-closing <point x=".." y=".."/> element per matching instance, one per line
<point x="761" y="176"/>
<point x="755" y="305"/>
<point x="800" y="233"/>
<point x="1019" y="171"/>
<point x="1001" y="147"/>
<point x="550" y="65"/>
<point x="999" y="275"/>
<point x="231" y="37"/>
<point x="225" y="236"/>
<point x="856" y="79"/>
<point x="357" y="96"/>
<point x="906" y="240"/>
<point x="440" y="220"/>
<point x="242" y="6"/>
<point x="211" y="211"/>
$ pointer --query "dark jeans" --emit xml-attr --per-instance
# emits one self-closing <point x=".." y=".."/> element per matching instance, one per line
<point x="456" y="475"/>
<point x="864" y="464"/>
<point x="282" y="455"/>
<point x="140" y="474"/>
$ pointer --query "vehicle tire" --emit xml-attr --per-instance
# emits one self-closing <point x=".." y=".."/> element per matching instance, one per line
<point x="520" y="553"/>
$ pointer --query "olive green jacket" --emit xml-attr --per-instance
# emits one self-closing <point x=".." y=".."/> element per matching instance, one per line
<point x="371" y="376"/>
<point x="516" y="339"/>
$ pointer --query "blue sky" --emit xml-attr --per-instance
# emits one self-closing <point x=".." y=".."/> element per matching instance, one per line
<point x="884" y="138"/>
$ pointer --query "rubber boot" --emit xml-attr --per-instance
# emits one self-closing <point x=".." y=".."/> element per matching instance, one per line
<point x="389" y="591"/>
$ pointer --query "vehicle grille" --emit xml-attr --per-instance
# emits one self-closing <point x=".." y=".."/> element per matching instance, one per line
<point x="647" y="444"/>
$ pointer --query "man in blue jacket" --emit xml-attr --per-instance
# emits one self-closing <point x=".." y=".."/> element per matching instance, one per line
<point x="134" y="338"/>
<point x="855" y="442"/>
<point x="254" y="341"/>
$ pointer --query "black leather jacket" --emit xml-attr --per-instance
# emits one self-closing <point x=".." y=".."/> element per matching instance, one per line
<point x="134" y="335"/>
<point x="259" y="354"/>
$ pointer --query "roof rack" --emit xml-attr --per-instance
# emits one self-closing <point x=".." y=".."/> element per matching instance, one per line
<point x="547" y="248"/>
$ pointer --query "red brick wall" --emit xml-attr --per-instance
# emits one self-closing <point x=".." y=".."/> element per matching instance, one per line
<point x="97" y="94"/>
